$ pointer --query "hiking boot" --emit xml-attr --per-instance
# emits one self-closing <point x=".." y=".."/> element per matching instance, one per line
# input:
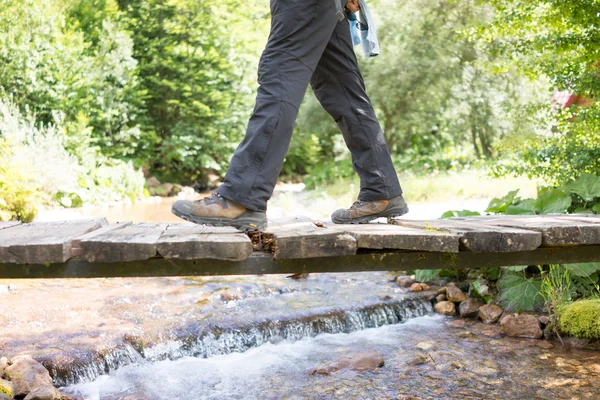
<point x="216" y="210"/>
<point x="362" y="212"/>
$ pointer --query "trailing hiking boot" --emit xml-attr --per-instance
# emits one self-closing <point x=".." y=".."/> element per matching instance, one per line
<point x="216" y="210"/>
<point x="362" y="212"/>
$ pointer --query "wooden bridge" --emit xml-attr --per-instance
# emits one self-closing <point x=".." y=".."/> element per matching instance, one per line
<point x="93" y="248"/>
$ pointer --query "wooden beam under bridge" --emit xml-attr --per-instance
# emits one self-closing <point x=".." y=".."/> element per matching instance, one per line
<point x="94" y="248"/>
<point x="265" y="264"/>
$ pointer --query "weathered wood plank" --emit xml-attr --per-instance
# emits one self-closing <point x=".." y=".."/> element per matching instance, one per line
<point x="397" y="237"/>
<point x="188" y="241"/>
<point x="264" y="264"/>
<point x="129" y="243"/>
<point x="4" y="225"/>
<point x="77" y="251"/>
<point x="43" y="242"/>
<point x="479" y="237"/>
<point x="556" y="230"/>
<point x="301" y="238"/>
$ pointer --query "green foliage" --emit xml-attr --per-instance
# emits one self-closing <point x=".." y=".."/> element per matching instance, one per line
<point x="557" y="40"/>
<point x="186" y="52"/>
<point x="426" y="275"/>
<point x="581" y="319"/>
<point x="17" y="192"/>
<point x="581" y="195"/>
<point x="582" y="269"/>
<point x="461" y="213"/>
<point x="499" y="205"/>
<point x="517" y="268"/>
<point x="552" y="201"/>
<point x="519" y="292"/>
<point x="587" y="186"/>
<point x="477" y="292"/>
<point x="37" y="159"/>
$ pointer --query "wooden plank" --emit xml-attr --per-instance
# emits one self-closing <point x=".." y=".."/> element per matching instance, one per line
<point x="556" y="230"/>
<point x="43" y="242"/>
<point x="478" y="237"/>
<point x="397" y="237"/>
<point x="129" y="243"/>
<point x="302" y="238"/>
<point x="187" y="241"/>
<point x="265" y="264"/>
<point x="76" y="249"/>
<point x="4" y="225"/>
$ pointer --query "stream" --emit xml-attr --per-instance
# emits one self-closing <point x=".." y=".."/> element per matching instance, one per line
<point x="256" y="337"/>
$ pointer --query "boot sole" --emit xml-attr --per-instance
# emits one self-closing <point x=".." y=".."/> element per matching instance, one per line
<point x="395" y="212"/>
<point x="242" y="224"/>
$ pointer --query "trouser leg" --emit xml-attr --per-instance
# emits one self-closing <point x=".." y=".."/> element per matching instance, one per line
<point x="339" y="86"/>
<point x="300" y="31"/>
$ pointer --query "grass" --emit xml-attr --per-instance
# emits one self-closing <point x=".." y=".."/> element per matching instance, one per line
<point x="445" y="186"/>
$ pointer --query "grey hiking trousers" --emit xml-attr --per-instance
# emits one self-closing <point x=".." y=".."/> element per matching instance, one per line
<point x="308" y="44"/>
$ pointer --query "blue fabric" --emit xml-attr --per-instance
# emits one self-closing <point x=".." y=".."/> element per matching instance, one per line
<point x="363" y="31"/>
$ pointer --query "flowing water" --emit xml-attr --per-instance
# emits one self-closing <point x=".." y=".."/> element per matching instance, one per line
<point x="460" y="364"/>
<point x="257" y="337"/>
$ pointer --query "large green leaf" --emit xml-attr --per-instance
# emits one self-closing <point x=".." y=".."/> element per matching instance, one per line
<point x="552" y="202"/>
<point x="587" y="186"/>
<point x="526" y="207"/>
<point x="461" y="213"/>
<point x="583" y="269"/>
<point x="498" y="205"/>
<point x="519" y="293"/>
<point x="596" y="208"/>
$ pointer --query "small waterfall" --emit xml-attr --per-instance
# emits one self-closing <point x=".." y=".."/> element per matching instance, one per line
<point x="214" y="340"/>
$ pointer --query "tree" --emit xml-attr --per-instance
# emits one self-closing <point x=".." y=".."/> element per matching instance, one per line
<point x="558" y="40"/>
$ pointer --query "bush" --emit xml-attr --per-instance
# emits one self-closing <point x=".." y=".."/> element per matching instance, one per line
<point x="36" y="167"/>
<point x="17" y="192"/>
<point x="581" y="319"/>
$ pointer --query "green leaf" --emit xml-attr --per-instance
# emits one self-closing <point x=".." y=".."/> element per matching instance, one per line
<point x="581" y="210"/>
<point x="519" y="293"/>
<point x="583" y="269"/>
<point x="596" y="208"/>
<point x="477" y="293"/>
<point x="461" y="213"/>
<point x="517" y="268"/>
<point x="552" y="202"/>
<point x="587" y="186"/>
<point x="498" y="205"/>
<point x="426" y="275"/>
<point x="493" y="273"/>
<point x="526" y="207"/>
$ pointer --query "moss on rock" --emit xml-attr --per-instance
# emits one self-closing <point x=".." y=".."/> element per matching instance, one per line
<point x="6" y="389"/>
<point x="581" y="319"/>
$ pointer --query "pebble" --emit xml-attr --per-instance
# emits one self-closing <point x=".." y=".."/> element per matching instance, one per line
<point x="419" y="360"/>
<point x="424" y="345"/>
<point x="459" y="323"/>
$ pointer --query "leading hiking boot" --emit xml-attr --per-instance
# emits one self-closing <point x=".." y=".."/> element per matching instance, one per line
<point x="216" y="210"/>
<point x="362" y="212"/>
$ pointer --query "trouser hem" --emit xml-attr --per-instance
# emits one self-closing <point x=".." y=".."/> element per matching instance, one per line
<point x="246" y="202"/>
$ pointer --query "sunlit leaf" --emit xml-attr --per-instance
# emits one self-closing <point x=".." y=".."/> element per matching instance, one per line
<point x="498" y="205"/>
<point x="587" y="186"/>
<point x="553" y="201"/>
<point x="583" y="269"/>
<point x="426" y="275"/>
<point x="527" y="207"/>
<point x="461" y="213"/>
